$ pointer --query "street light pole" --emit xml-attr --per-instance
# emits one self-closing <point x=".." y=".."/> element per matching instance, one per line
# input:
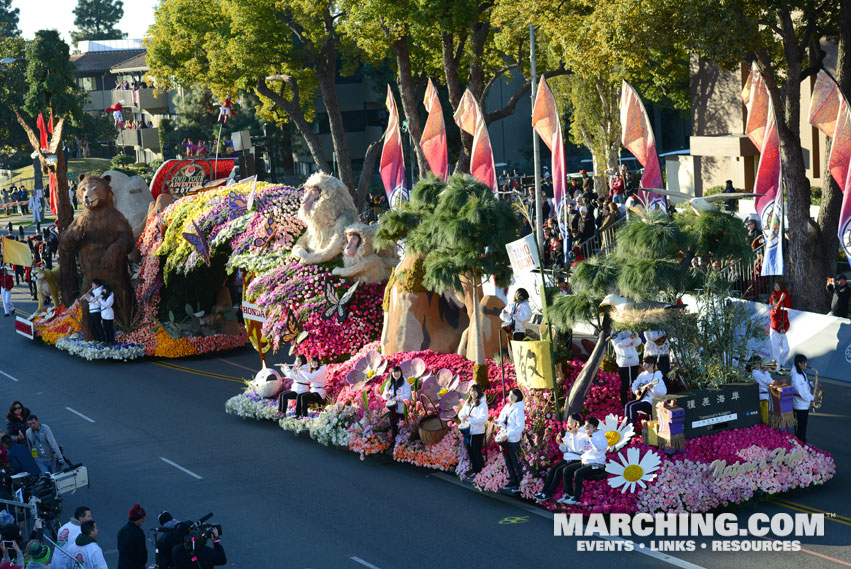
<point x="539" y="222"/>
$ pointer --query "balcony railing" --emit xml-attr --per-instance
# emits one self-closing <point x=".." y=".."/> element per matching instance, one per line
<point x="147" y="138"/>
<point x="141" y="99"/>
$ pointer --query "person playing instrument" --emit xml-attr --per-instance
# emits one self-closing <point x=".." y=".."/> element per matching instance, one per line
<point x="780" y="305"/>
<point x="512" y="423"/>
<point x="474" y="412"/>
<point x="107" y="314"/>
<point x="656" y="344"/>
<point x="647" y="385"/>
<point x="625" y="344"/>
<point x="395" y="393"/>
<point x="299" y="385"/>
<point x="516" y="315"/>
<point x="317" y="378"/>
<point x="93" y="298"/>
<point x="566" y="445"/>
<point x="592" y="444"/>
<point x="803" y="396"/>
<point x="764" y="380"/>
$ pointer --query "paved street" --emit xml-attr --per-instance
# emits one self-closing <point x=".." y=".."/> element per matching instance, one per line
<point x="158" y="435"/>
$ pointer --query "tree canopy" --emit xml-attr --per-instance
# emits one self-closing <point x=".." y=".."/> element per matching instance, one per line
<point x="97" y="20"/>
<point x="8" y="19"/>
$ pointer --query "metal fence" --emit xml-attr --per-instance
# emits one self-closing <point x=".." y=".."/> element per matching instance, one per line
<point x="746" y="280"/>
<point x="24" y="513"/>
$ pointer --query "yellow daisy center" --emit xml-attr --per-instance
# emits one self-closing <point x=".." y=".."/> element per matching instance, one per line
<point x="613" y="437"/>
<point x="411" y="380"/>
<point x="370" y="373"/>
<point x="633" y="473"/>
<point x="442" y="392"/>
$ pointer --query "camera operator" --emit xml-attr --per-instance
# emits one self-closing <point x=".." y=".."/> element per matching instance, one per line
<point x="194" y="553"/>
<point x="169" y="534"/>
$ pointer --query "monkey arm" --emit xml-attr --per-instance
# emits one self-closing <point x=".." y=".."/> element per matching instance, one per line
<point x="368" y="263"/>
<point x="327" y="253"/>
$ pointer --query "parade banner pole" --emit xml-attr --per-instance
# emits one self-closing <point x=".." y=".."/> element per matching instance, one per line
<point x="539" y="223"/>
<point x="218" y="140"/>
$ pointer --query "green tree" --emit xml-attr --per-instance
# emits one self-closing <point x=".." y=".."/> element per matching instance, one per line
<point x="12" y="88"/>
<point x="91" y="130"/>
<point x="96" y="20"/>
<point x="462" y="240"/>
<point x="50" y="86"/>
<point x="8" y="19"/>
<point x="647" y="264"/>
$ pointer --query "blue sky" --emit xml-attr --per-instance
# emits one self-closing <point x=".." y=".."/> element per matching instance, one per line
<point x="58" y="14"/>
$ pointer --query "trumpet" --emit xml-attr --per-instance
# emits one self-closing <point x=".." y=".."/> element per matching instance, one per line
<point x="773" y="367"/>
<point x="818" y="392"/>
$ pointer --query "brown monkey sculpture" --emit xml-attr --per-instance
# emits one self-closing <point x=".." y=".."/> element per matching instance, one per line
<point x="97" y="242"/>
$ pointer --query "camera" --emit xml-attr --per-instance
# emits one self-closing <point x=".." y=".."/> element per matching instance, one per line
<point x="199" y="532"/>
<point x="43" y="489"/>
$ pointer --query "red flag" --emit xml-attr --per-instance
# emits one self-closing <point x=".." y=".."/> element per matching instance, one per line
<point x="637" y="137"/>
<point x="470" y="119"/>
<point x="42" y="131"/>
<point x="830" y="113"/>
<point x="54" y="187"/>
<point x="392" y="158"/>
<point x="433" y="141"/>
<point x="546" y="123"/>
<point x="50" y="123"/>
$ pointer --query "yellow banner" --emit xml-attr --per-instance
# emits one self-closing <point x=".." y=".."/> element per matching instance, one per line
<point x="16" y="253"/>
<point x="532" y="364"/>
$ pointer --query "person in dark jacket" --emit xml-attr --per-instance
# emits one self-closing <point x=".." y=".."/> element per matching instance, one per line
<point x="207" y="557"/>
<point x="16" y="420"/>
<point x="586" y="224"/>
<point x="19" y="456"/>
<point x="841" y="295"/>
<point x="169" y="536"/>
<point x="132" y="553"/>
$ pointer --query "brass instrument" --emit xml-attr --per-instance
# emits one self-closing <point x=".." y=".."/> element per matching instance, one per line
<point x="818" y="392"/>
<point x="774" y="368"/>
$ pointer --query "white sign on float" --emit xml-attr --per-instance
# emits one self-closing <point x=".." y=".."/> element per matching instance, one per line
<point x="253" y="312"/>
<point x="523" y="255"/>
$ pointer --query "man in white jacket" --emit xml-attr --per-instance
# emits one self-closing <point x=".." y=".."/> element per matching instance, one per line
<point x="592" y="448"/>
<point x="66" y="537"/>
<point x="511" y="423"/>
<point x="86" y="550"/>
<point x="625" y="344"/>
<point x="316" y="377"/>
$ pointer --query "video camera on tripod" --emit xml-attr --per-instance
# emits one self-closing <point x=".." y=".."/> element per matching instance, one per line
<point x="47" y="489"/>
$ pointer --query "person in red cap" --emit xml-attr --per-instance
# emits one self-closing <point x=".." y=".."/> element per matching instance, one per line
<point x="132" y="552"/>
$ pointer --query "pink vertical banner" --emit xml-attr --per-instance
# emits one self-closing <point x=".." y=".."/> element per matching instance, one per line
<point x="761" y="128"/>
<point x="470" y="119"/>
<point x="830" y="113"/>
<point x="392" y="166"/>
<point x="545" y="121"/>
<point x="637" y="137"/>
<point x="433" y="141"/>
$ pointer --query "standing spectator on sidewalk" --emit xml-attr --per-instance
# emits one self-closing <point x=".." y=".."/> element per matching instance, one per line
<point x="6" y="284"/>
<point x="86" y="548"/>
<point x="67" y="537"/>
<point x="587" y="182"/>
<point x="841" y="295"/>
<point x="16" y="421"/>
<point x="132" y="553"/>
<point x="618" y="189"/>
<point x="19" y="456"/>
<point x="42" y="443"/>
<point x="38" y="555"/>
<point x="24" y="197"/>
<point x="730" y="205"/>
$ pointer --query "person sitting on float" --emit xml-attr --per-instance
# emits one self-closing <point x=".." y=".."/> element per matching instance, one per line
<point x="317" y="377"/>
<point x="299" y="383"/>
<point x="395" y="393"/>
<point x="592" y="444"/>
<point x="647" y="385"/>
<point x="566" y="445"/>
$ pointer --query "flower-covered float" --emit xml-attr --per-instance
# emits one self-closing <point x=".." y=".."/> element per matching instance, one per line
<point x="712" y="471"/>
<point x="206" y="252"/>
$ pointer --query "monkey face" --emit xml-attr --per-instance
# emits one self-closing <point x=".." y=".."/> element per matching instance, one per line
<point x="311" y="196"/>
<point x="353" y="241"/>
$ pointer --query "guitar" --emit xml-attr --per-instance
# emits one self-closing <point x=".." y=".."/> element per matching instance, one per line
<point x="642" y="391"/>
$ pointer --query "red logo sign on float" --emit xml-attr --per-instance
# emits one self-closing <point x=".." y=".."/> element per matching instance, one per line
<point x="179" y="177"/>
<point x="24" y="327"/>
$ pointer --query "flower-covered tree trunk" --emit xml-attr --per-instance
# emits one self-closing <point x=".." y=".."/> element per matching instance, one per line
<point x="576" y="397"/>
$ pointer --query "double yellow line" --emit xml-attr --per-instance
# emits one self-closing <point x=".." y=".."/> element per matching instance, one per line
<point x="185" y="369"/>
<point x="831" y="516"/>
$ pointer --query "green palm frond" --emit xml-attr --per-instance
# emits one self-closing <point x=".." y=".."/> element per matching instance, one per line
<point x="597" y="276"/>
<point x="647" y="279"/>
<point x="569" y="309"/>
<point x="658" y="238"/>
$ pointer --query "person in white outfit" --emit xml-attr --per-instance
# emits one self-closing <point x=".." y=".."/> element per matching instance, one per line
<point x="566" y="445"/>
<point x="94" y="298"/>
<point x="764" y="380"/>
<point x="803" y="396"/>
<point x="317" y="377"/>
<point x="67" y="536"/>
<point x="6" y="284"/>
<point x="107" y="315"/>
<point x="647" y="385"/>
<point x="395" y="393"/>
<point x="656" y="344"/>
<point x="591" y="466"/>
<point x="511" y="423"/>
<point x="626" y="355"/>
<point x="300" y="384"/>
<point x="86" y="550"/>
<point x="516" y="315"/>
<point x="474" y="416"/>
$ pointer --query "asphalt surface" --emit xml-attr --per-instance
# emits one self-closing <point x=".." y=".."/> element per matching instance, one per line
<point x="286" y="502"/>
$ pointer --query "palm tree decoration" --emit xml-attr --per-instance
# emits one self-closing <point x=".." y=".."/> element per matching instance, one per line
<point x="649" y="263"/>
<point x="460" y="229"/>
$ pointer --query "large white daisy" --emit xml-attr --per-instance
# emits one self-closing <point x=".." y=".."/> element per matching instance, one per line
<point x="631" y="471"/>
<point x="617" y="433"/>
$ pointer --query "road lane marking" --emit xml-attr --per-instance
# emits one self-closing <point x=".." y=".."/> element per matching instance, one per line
<point x="177" y="466"/>
<point x="237" y="365"/>
<point x="9" y="376"/>
<point x="795" y="505"/>
<point x="357" y="559"/>
<point x="77" y="413"/>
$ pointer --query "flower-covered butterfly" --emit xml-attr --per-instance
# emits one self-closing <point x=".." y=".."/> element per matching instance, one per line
<point x="199" y="241"/>
<point x="268" y="232"/>
<point x="337" y="305"/>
